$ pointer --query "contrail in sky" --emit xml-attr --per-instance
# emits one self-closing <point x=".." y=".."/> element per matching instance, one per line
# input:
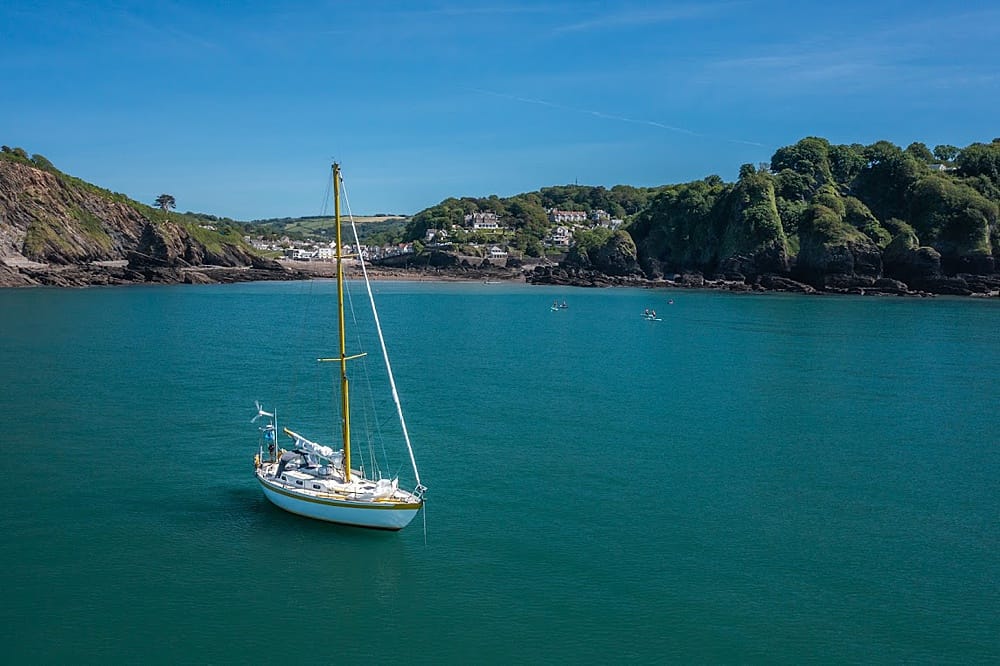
<point x="608" y="116"/>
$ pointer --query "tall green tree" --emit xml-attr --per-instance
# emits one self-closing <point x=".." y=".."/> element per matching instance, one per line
<point x="165" y="202"/>
<point x="952" y="217"/>
<point x="921" y="152"/>
<point x="883" y="183"/>
<point x="846" y="162"/>
<point x="981" y="159"/>
<point x="945" y="152"/>
<point x="809" y="157"/>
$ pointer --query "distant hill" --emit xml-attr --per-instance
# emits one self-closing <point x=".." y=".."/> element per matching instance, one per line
<point x="379" y="228"/>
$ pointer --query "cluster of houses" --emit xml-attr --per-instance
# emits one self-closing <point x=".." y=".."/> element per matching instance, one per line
<point x="560" y="236"/>
<point x="314" y="251"/>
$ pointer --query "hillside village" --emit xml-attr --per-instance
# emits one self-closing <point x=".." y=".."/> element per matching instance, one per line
<point x="311" y="250"/>
<point x="564" y="223"/>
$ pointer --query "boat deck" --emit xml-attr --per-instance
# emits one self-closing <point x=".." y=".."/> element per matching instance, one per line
<point x="312" y="482"/>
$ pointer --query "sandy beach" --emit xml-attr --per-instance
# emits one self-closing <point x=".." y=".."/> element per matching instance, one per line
<point x="352" y="270"/>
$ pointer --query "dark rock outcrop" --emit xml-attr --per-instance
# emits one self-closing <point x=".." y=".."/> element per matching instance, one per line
<point x="953" y="286"/>
<point x="780" y="283"/>
<point x="856" y="262"/>
<point x="904" y="259"/>
<point x="889" y="286"/>
<point x="770" y="259"/>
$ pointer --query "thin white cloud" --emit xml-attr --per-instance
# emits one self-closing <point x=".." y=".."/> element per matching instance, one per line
<point x="851" y="71"/>
<point x="613" y="117"/>
<point x="801" y="65"/>
<point x="641" y="17"/>
<point x="944" y="31"/>
<point x="461" y="10"/>
<point x="904" y="53"/>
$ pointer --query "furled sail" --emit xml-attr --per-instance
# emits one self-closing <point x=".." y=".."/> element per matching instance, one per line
<point x="312" y="448"/>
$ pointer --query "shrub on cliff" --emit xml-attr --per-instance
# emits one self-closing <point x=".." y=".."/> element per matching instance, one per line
<point x="753" y="226"/>
<point x="829" y="245"/>
<point x="951" y="217"/>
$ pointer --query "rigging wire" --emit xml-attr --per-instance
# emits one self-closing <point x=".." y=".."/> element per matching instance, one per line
<point x="385" y="352"/>
<point x="374" y="433"/>
<point x="369" y="406"/>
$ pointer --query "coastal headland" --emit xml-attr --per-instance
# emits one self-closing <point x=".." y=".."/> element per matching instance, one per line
<point x="819" y="218"/>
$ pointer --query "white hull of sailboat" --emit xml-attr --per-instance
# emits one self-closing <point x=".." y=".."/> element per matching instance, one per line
<point x="381" y="515"/>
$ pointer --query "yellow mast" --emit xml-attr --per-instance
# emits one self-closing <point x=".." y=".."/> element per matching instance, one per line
<point x="345" y="405"/>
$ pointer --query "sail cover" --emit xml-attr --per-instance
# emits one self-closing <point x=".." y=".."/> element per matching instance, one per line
<point x="313" y="448"/>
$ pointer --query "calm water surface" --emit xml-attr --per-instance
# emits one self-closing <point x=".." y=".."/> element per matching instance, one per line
<point x="755" y="478"/>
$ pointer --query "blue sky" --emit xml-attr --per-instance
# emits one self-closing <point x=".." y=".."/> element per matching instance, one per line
<point x="237" y="108"/>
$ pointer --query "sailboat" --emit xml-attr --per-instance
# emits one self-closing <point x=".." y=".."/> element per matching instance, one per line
<point x="320" y="481"/>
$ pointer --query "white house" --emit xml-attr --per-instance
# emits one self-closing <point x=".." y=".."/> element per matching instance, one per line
<point x="562" y="236"/>
<point x="497" y="252"/>
<point x="435" y="235"/>
<point x="610" y="223"/>
<point x="572" y="216"/>
<point x="298" y="254"/>
<point x="483" y="220"/>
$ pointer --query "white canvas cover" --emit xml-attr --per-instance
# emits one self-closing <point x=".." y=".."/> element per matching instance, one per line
<point x="315" y="449"/>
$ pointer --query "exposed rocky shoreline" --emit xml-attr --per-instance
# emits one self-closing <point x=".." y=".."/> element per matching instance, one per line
<point x="960" y="285"/>
<point x="144" y="269"/>
<point x="627" y="273"/>
<point x="138" y="270"/>
<point x="550" y="274"/>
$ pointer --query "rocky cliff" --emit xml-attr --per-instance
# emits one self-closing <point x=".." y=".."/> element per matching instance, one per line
<point x="59" y="230"/>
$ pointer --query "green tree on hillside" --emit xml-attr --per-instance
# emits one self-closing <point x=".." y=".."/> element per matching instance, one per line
<point x="945" y="152"/>
<point x="682" y="224"/>
<point x="42" y="162"/>
<point x="752" y="223"/>
<point x="165" y="202"/>
<point x="981" y="159"/>
<point x="856" y="214"/>
<point x="951" y="217"/>
<point x="586" y="243"/>
<point x="846" y="162"/>
<point x="883" y="183"/>
<point x="921" y="152"/>
<point x="809" y="158"/>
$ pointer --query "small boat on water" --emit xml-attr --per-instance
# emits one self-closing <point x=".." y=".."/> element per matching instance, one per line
<point x="650" y="315"/>
<point x="319" y="481"/>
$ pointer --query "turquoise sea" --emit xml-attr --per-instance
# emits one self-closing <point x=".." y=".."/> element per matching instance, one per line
<point x="756" y="478"/>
